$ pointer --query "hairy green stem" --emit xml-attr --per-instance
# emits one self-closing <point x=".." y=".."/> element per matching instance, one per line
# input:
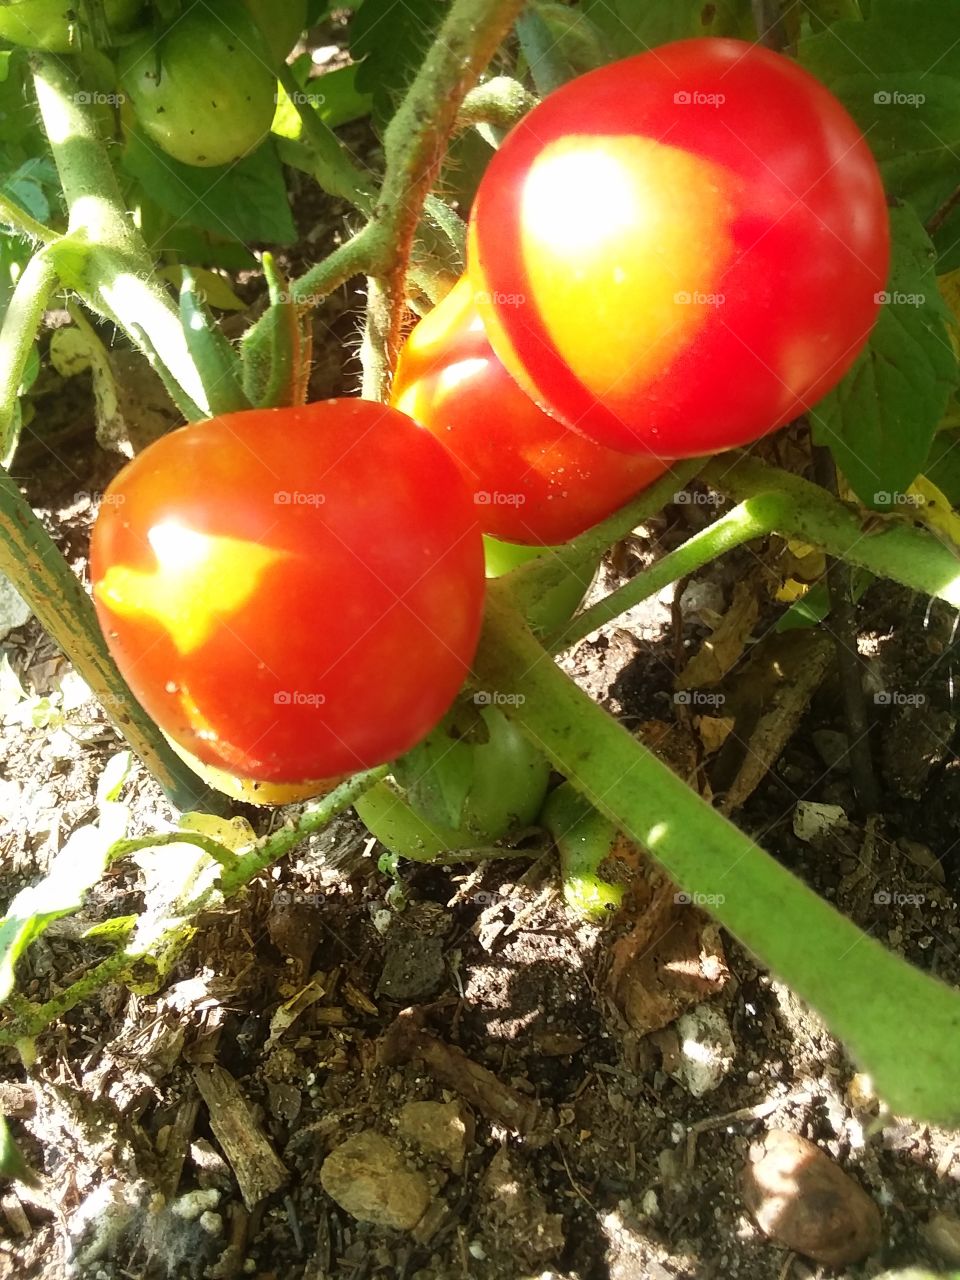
<point x="32" y="562"/>
<point x="888" y="546"/>
<point x="869" y="997"/>
<point x="21" y="323"/>
<point x="29" y="1020"/>
<point x="11" y="215"/>
<point x="734" y="528"/>
<point x="415" y="138"/>
<point x="103" y="257"/>
<point x="374" y="348"/>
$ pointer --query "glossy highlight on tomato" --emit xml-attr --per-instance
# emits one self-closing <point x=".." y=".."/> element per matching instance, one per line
<point x="534" y="480"/>
<point x="681" y="251"/>
<point x="279" y="595"/>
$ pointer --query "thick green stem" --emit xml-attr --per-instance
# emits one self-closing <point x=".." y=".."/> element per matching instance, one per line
<point x="533" y="583"/>
<point x="31" y="561"/>
<point x="21" y="323"/>
<point x="733" y="529"/>
<point x="104" y="257"/>
<point x="889" y="547"/>
<point x="869" y="997"/>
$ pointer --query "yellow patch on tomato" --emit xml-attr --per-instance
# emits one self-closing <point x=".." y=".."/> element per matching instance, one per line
<point x="625" y="241"/>
<point x="249" y="790"/>
<point x="200" y="578"/>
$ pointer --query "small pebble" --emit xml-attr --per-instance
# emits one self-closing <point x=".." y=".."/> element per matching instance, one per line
<point x="802" y="1199"/>
<point x="192" y="1204"/>
<point x="707" y="1049"/>
<point x="368" y="1177"/>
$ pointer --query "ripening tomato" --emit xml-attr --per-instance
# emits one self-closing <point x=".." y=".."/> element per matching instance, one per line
<point x="291" y="593"/>
<point x="683" y="250"/>
<point x="533" y="479"/>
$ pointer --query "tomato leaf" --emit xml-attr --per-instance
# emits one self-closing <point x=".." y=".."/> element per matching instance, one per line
<point x="898" y="73"/>
<point x="391" y="37"/>
<point x="943" y="465"/>
<point x="631" y="26"/>
<point x="75" y="869"/>
<point x="243" y="201"/>
<point x="881" y="419"/>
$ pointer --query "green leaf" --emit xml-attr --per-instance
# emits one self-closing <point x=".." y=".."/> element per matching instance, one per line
<point x="943" y="465"/>
<point x="114" y="777"/>
<point x="74" y="870"/>
<point x="811" y="609"/>
<point x="12" y="1163"/>
<point x="631" y="26"/>
<point x="246" y="201"/>
<point x="334" y="96"/>
<point x="391" y="36"/>
<point x="899" y="76"/>
<point x="880" y="420"/>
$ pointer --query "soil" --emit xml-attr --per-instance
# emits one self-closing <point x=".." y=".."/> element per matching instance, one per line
<point x="582" y="1151"/>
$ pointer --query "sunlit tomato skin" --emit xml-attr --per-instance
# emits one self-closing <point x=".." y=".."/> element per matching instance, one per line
<point x="534" y="480"/>
<point x="55" y="24"/>
<point x="681" y="251"/>
<point x="292" y="594"/>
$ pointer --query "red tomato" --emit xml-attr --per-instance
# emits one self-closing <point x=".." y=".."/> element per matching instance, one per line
<point x="681" y="251"/>
<point x="533" y="479"/>
<point x="291" y="593"/>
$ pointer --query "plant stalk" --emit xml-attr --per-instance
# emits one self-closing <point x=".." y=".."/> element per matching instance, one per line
<point x="869" y="997"/>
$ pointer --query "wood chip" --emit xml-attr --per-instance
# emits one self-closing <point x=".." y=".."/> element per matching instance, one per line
<point x="722" y="650"/>
<point x="257" y="1168"/>
<point x="405" y="1039"/>
<point x="768" y="701"/>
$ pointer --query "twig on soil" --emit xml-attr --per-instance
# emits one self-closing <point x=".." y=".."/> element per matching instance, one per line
<point x="405" y="1039"/>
